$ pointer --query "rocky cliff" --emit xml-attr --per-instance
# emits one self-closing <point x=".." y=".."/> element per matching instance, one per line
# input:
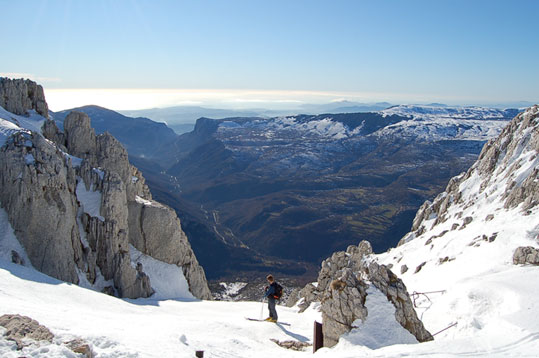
<point x="18" y="96"/>
<point x="78" y="207"/>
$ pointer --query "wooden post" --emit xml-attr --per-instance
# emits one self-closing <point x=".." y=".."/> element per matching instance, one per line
<point x="318" y="337"/>
<point x="199" y="354"/>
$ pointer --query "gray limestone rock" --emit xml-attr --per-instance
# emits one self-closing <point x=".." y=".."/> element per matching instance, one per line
<point x="131" y="217"/>
<point x="293" y="345"/>
<point x="80" y="138"/>
<point x="395" y="290"/>
<point x="293" y="298"/>
<point x="342" y="304"/>
<point x="37" y="193"/>
<point x="51" y="132"/>
<point x="19" y="328"/>
<point x="81" y="347"/>
<point x="18" y="96"/>
<point x="155" y="230"/>
<point x="342" y="290"/>
<point x="16" y="258"/>
<point x="308" y="295"/>
<point x="526" y="255"/>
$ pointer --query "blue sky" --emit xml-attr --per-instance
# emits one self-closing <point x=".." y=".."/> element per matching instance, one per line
<point x="455" y="51"/>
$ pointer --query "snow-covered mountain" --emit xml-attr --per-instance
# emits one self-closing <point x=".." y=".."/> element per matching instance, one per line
<point x="443" y="123"/>
<point x="460" y="266"/>
<point x="455" y="112"/>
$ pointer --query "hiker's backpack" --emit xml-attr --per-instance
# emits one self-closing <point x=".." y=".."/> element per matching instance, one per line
<point x="278" y="291"/>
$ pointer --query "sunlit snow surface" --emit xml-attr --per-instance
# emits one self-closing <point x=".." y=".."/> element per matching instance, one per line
<point x="11" y="123"/>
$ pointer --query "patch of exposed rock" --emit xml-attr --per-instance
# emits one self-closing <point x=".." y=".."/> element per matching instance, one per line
<point x="342" y="290"/>
<point x="20" y="327"/>
<point x="18" y="96"/>
<point x="526" y="255"/>
<point x="81" y="347"/>
<point x="68" y="236"/>
<point x="293" y="345"/>
<point x="23" y="330"/>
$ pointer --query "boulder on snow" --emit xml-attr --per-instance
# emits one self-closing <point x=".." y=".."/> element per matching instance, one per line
<point x="293" y="345"/>
<point x="342" y="288"/>
<point x="20" y="327"/>
<point x="81" y="347"/>
<point x="526" y="255"/>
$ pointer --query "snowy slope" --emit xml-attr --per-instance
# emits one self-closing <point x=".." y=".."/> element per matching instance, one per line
<point x="470" y="254"/>
<point x="176" y="328"/>
<point x="11" y="123"/>
<point x="442" y="122"/>
<point x="427" y="122"/>
<point x="465" y="113"/>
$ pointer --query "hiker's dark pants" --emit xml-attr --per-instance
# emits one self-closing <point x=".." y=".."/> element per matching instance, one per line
<point x="271" y="308"/>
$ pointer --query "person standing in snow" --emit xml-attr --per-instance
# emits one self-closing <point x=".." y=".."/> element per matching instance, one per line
<point x="270" y="294"/>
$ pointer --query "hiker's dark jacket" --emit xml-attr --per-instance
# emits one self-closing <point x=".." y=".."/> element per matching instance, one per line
<point x="271" y="290"/>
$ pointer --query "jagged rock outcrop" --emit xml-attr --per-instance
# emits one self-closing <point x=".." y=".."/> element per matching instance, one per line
<point x="18" y="96"/>
<point x="343" y="302"/>
<point x="155" y="230"/>
<point x="500" y="164"/>
<point x="526" y="255"/>
<point x="77" y="214"/>
<point x="80" y="138"/>
<point x="132" y="217"/>
<point x="395" y="291"/>
<point x="342" y="290"/>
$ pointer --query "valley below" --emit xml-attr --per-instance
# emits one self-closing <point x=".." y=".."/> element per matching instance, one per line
<point x="280" y="195"/>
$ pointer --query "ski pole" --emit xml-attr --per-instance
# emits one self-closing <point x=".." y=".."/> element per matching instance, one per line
<point x="262" y="308"/>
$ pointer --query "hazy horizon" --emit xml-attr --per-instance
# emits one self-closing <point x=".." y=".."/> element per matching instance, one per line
<point x="141" y="99"/>
<point x="134" y="54"/>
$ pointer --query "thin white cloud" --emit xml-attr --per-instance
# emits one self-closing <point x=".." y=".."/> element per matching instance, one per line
<point x="132" y="99"/>
<point x="30" y="76"/>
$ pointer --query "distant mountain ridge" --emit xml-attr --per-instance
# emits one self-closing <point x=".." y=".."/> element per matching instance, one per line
<point x="142" y="137"/>
<point x="181" y="117"/>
